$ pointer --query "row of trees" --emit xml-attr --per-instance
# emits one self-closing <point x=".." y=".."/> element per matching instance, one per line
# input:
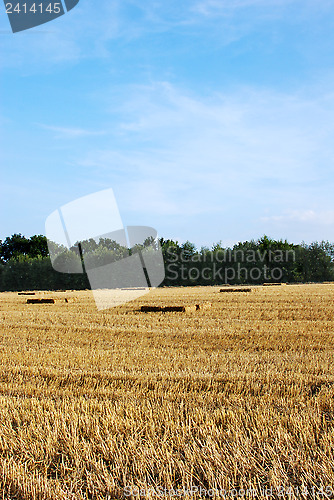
<point x="253" y="262"/>
<point x="25" y="262"/>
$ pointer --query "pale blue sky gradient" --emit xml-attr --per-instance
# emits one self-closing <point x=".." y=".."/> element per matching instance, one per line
<point x="210" y="119"/>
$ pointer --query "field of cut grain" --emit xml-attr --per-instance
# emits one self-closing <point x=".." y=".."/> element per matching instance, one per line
<point x="235" y="399"/>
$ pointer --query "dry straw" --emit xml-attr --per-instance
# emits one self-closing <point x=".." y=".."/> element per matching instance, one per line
<point x="237" y="397"/>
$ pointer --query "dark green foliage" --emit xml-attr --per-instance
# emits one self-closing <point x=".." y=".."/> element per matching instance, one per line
<point x="18" y="245"/>
<point x="25" y="264"/>
<point x="26" y="273"/>
<point x="253" y="262"/>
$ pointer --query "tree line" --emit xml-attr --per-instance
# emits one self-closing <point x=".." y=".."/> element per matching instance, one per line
<point x="25" y="263"/>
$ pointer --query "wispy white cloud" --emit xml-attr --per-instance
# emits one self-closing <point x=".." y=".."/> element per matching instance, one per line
<point x="214" y="7"/>
<point x="302" y="224"/>
<point x="233" y="159"/>
<point x="259" y="8"/>
<point x="89" y="30"/>
<point x="227" y="160"/>
<point x="303" y="216"/>
<point x="71" y="132"/>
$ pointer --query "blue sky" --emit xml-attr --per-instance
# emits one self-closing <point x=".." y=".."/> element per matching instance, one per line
<point x="210" y="119"/>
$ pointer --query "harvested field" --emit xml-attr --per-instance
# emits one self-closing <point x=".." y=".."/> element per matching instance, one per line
<point x="239" y="396"/>
<point x="204" y="306"/>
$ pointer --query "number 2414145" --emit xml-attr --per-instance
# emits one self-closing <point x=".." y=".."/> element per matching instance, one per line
<point x="35" y="8"/>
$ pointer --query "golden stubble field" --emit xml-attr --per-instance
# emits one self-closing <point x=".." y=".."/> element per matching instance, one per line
<point x="237" y="399"/>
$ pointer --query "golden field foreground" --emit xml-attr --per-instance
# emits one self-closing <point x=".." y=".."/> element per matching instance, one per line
<point x="235" y="400"/>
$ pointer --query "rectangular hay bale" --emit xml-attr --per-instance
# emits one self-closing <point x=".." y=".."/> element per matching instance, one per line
<point x="151" y="309"/>
<point x="188" y="309"/>
<point x="232" y="290"/>
<point x="41" y="301"/>
<point x="26" y="293"/>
